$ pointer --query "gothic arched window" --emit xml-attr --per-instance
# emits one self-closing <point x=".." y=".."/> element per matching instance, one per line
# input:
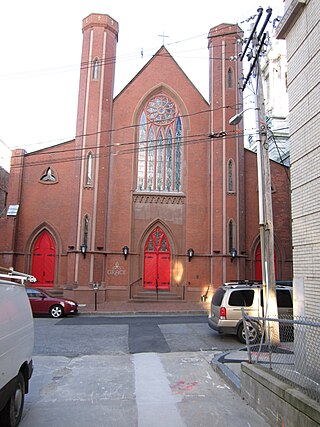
<point x="95" y="69"/>
<point x="231" y="242"/>
<point x="86" y="229"/>
<point x="230" y="176"/>
<point x="230" y="79"/>
<point x="89" y="179"/>
<point x="160" y="151"/>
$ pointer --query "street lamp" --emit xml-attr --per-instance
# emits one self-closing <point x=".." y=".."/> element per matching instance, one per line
<point x="235" y="120"/>
<point x="83" y="249"/>
<point x="125" y="251"/>
<point x="190" y="253"/>
<point x="233" y="253"/>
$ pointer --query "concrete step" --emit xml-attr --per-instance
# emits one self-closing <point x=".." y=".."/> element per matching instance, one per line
<point x="151" y="296"/>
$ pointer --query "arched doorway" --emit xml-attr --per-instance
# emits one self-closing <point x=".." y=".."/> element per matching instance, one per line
<point x="157" y="261"/>
<point x="259" y="266"/>
<point x="43" y="259"/>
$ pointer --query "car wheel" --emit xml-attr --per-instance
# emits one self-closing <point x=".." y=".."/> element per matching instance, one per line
<point x="56" y="311"/>
<point x="12" y="412"/>
<point x="253" y="333"/>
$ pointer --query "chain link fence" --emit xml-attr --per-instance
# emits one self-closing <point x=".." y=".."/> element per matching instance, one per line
<point x="292" y="355"/>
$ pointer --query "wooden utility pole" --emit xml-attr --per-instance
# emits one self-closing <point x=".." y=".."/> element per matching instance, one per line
<point x="265" y="213"/>
<point x="264" y="184"/>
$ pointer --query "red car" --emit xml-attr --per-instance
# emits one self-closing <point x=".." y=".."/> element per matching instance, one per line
<point x="43" y="303"/>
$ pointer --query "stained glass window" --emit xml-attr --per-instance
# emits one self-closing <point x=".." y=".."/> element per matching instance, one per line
<point x="157" y="241"/>
<point x="160" y="146"/>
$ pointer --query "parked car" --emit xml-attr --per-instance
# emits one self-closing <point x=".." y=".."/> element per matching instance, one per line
<point x="225" y="312"/>
<point x="43" y="303"/>
<point x="16" y="348"/>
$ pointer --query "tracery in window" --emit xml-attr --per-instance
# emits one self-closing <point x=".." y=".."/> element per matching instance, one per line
<point x="95" y="69"/>
<point x="230" y="176"/>
<point x="160" y="150"/>
<point x="89" y="180"/>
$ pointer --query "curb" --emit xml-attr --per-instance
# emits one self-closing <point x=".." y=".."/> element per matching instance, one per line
<point x="231" y="378"/>
<point x="142" y="314"/>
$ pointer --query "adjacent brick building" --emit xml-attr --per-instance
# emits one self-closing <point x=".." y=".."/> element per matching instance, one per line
<point x="143" y="201"/>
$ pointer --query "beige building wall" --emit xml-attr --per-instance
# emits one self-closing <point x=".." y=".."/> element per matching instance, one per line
<point x="300" y="28"/>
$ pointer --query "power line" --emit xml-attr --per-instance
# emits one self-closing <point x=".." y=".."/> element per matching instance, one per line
<point x="201" y="138"/>
<point x="137" y="125"/>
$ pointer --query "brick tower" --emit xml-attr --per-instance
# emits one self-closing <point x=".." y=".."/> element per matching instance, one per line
<point x="94" y="121"/>
<point x="227" y="220"/>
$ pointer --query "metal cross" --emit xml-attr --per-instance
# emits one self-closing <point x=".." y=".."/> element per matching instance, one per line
<point x="163" y="36"/>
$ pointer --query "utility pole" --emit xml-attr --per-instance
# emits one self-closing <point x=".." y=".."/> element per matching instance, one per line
<point x="264" y="182"/>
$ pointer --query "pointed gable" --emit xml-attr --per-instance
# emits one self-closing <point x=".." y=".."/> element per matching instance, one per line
<point x="161" y="68"/>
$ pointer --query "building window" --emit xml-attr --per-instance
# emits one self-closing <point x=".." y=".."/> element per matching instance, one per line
<point x="95" y="69"/>
<point x="160" y="146"/>
<point x="230" y="176"/>
<point x="230" y="79"/>
<point x="231" y="242"/>
<point x="89" y="180"/>
<point x="86" y="230"/>
<point x="48" y="176"/>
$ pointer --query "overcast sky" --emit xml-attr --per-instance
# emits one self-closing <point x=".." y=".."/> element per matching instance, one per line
<point x="40" y="51"/>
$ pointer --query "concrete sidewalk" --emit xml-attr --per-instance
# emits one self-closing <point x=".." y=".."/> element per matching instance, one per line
<point x="141" y="308"/>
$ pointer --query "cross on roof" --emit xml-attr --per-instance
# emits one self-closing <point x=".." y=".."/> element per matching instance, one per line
<point x="163" y="36"/>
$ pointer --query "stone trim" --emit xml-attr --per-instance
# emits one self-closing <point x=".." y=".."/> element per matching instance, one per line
<point x="161" y="199"/>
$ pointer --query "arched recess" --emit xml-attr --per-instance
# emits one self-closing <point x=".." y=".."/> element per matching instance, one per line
<point x="257" y="261"/>
<point x="157" y="249"/>
<point x="44" y="247"/>
<point x="163" y="124"/>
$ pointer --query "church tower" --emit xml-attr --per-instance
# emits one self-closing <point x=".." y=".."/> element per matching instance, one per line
<point x="92" y="151"/>
<point x="227" y="220"/>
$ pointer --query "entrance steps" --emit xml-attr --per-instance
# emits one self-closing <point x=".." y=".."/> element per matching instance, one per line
<point x="153" y="296"/>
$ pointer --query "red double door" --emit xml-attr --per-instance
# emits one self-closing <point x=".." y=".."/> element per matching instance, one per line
<point x="157" y="261"/>
<point x="259" y="265"/>
<point x="43" y="259"/>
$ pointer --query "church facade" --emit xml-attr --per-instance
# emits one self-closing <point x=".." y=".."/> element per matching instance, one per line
<point x="155" y="195"/>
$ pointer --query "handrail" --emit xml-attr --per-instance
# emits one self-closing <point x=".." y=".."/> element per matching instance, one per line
<point x="130" y="286"/>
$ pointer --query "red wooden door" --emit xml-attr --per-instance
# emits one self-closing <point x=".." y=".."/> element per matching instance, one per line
<point x="259" y="266"/>
<point x="157" y="261"/>
<point x="43" y="260"/>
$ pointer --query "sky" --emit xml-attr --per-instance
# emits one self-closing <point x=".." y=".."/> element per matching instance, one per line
<point x="40" y="51"/>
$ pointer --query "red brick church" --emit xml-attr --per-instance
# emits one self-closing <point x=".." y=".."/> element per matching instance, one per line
<point x="143" y="201"/>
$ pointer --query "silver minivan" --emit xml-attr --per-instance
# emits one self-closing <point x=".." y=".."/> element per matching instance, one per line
<point x="225" y="311"/>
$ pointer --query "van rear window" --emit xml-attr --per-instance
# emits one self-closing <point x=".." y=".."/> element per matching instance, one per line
<point x="284" y="298"/>
<point x="242" y="298"/>
<point x="217" y="297"/>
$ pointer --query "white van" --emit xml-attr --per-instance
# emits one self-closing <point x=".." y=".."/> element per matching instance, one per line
<point x="16" y="348"/>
